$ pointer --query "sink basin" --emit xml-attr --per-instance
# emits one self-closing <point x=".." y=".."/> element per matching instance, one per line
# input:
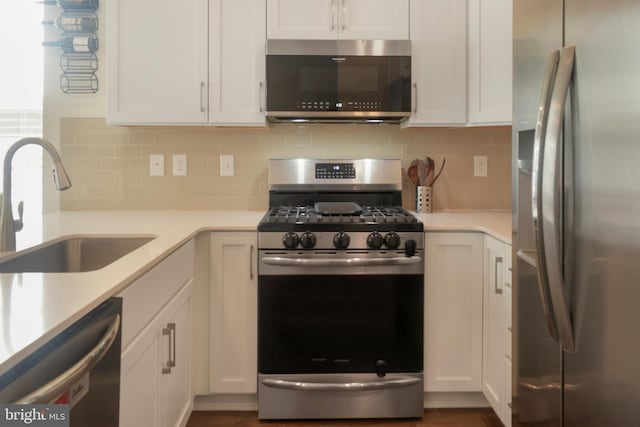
<point x="72" y="254"/>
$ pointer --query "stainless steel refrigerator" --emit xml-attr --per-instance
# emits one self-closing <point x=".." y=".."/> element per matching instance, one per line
<point x="576" y="204"/>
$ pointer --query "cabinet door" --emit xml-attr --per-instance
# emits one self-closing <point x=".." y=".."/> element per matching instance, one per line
<point x="302" y="19"/>
<point x="175" y="386"/>
<point x="233" y="314"/>
<point x="139" y="383"/>
<point x="373" y="19"/>
<point x="490" y="61"/>
<point x="157" y="61"/>
<point x="453" y="312"/>
<point x="237" y="55"/>
<point x="439" y="61"/>
<point x="493" y="324"/>
<point x="149" y="394"/>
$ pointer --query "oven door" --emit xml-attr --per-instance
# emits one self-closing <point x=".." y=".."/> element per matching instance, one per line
<point x="340" y="314"/>
<point x="340" y="335"/>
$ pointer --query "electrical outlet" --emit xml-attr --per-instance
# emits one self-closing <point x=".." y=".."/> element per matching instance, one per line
<point x="227" y="167"/>
<point x="179" y="165"/>
<point x="480" y="166"/>
<point x="156" y="165"/>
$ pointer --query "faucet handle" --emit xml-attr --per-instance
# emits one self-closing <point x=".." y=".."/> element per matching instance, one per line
<point x="17" y="223"/>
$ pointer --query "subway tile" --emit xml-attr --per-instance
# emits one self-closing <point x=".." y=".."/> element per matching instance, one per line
<point x="111" y="163"/>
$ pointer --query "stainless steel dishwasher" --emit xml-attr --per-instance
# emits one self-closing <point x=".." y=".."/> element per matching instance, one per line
<point x="79" y="367"/>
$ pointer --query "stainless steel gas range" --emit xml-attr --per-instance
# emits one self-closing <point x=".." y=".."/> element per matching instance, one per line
<point x="340" y="293"/>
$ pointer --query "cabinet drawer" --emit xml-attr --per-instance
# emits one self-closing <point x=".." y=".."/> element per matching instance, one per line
<point x="147" y="295"/>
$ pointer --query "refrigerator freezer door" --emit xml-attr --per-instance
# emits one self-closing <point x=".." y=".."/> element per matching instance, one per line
<point x="537" y="393"/>
<point x="602" y="378"/>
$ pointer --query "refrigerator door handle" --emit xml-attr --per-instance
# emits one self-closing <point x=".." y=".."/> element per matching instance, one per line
<point x="552" y="200"/>
<point x="536" y="195"/>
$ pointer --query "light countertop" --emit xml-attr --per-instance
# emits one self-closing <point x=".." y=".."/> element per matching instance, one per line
<point x="495" y="224"/>
<point x="36" y="306"/>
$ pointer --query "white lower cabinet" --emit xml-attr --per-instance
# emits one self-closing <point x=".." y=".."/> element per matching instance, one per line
<point x="496" y="371"/>
<point x="233" y="305"/>
<point x="155" y="382"/>
<point x="453" y="312"/>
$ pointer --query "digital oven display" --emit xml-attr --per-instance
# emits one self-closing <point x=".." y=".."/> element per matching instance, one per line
<point x="335" y="171"/>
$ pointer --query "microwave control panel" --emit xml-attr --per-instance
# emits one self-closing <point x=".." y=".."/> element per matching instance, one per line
<point x="340" y="105"/>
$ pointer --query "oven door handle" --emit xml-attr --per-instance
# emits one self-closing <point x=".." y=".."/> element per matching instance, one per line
<point x="355" y="262"/>
<point x="354" y="386"/>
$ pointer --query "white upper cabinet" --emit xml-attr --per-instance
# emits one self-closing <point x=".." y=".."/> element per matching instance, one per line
<point x="438" y="61"/>
<point x="343" y="19"/>
<point x="156" y="61"/>
<point x="490" y="61"/>
<point x="237" y="62"/>
<point x="183" y="65"/>
<point x="461" y="62"/>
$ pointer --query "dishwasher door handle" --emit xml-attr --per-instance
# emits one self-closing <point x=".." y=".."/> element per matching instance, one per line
<point x="51" y="390"/>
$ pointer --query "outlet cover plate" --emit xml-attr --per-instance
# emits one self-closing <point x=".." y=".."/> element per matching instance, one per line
<point x="156" y="165"/>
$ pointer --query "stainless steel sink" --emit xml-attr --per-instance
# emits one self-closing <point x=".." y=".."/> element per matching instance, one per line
<point x="72" y="254"/>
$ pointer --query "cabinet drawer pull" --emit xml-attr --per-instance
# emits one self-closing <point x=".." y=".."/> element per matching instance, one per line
<point x="170" y="331"/>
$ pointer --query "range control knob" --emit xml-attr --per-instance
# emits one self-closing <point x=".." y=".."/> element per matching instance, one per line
<point x="290" y="240"/>
<point x="410" y="247"/>
<point x="307" y="240"/>
<point x="392" y="240"/>
<point x="375" y="240"/>
<point x="341" y="240"/>
<point x="381" y="368"/>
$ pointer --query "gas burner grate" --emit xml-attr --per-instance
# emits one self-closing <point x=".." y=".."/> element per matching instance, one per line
<point x="369" y="215"/>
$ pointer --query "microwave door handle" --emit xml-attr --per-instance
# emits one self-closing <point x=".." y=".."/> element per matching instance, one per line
<point x="536" y="196"/>
<point x="552" y="200"/>
<point x="415" y="96"/>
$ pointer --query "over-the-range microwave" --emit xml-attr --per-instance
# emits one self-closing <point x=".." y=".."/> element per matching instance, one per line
<point x="338" y="80"/>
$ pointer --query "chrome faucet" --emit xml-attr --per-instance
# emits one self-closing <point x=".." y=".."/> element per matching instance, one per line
<point x="8" y="225"/>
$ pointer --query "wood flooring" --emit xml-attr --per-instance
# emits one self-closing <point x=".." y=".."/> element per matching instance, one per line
<point x="482" y="417"/>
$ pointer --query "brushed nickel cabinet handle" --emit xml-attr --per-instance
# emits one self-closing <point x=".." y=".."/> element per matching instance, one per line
<point x="496" y="289"/>
<point x="251" y="262"/>
<point x="202" y="106"/>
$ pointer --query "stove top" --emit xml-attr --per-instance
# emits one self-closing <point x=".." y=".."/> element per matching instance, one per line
<point x="367" y="218"/>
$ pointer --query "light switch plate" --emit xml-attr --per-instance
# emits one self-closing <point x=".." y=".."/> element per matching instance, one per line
<point x="227" y="167"/>
<point x="179" y="165"/>
<point x="156" y="165"/>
